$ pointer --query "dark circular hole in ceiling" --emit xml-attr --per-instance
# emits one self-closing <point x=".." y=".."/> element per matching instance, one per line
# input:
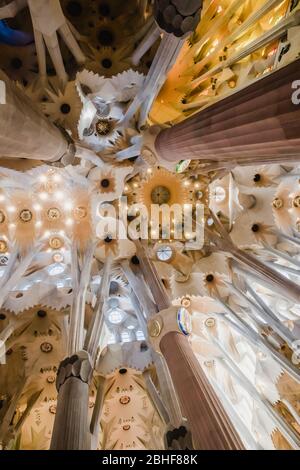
<point x="105" y="183"/>
<point x="65" y="108"/>
<point x="42" y="314"/>
<point x="106" y="63"/>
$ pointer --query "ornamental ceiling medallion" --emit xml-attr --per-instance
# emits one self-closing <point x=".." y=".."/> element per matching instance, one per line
<point x="124" y="400"/>
<point x="56" y="243"/>
<point x="58" y="258"/>
<point x="104" y="127"/>
<point x="159" y="188"/>
<point x="52" y="409"/>
<point x="162" y="187"/>
<point x="3" y="246"/>
<point x="155" y="327"/>
<point x="53" y="214"/>
<point x="25" y="216"/>
<point x="3" y="260"/>
<point x="46" y="347"/>
<point x="80" y="213"/>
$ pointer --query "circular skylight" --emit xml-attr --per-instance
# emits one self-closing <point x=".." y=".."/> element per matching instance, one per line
<point x="164" y="253"/>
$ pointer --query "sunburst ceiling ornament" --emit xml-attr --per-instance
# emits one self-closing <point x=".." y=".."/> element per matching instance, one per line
<point x="162" y="187"/>
<point x="160" y="195"/>
<point x="63" y="107"/>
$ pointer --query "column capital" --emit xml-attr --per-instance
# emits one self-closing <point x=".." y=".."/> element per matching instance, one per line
<point x="178" y="17"/>
<point x="135" y="355"/>
<point x="149" y="153"/>
<point x="172" y="319"/>
<point x="77" y="366"/>
<point x="179" y="438"/>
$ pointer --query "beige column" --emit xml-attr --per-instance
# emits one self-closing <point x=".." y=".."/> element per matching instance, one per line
<point x="24" y="130"/>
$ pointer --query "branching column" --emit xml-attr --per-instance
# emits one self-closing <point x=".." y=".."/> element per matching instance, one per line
<point x="24" y="131"/>
<point x="168" y="330"/>
<point x="257" y="125"/>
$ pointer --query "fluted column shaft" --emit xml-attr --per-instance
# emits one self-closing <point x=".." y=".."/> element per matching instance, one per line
<point x="210" y="426"/>
<point x="71" y="427"/>
<point x="70" y="430"/>
<point x="259" y="124"/>
<point x="24" y="130"/>
<point x="150" y="274"/>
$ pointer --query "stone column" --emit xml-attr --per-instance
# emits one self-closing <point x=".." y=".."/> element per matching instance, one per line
<point x="210" y="426"/>
<point x="257" y="125"/>
<point x="24" y="130"/>
<point x="152" y="279"/>
<point x="71" y="427"/>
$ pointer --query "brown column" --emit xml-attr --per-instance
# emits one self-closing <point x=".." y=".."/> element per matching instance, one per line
<point x="207" y="419"/>
<point x="257" y="125"/>
<point x="24" y="130"/>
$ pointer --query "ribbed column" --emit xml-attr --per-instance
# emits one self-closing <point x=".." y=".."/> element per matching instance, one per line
<point x="24" y="130"/>
<point x="211" y="428"/>
<point x="71" y="429"/>
<point x="257" y="125"/>
<point x="151" y="277"/>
